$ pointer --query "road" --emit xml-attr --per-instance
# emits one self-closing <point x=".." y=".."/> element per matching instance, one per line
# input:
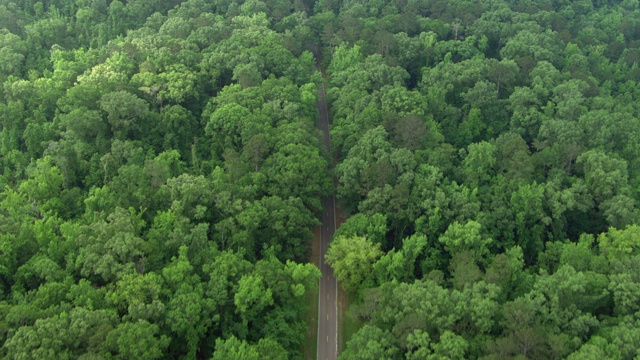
<point x="328" y="291"/>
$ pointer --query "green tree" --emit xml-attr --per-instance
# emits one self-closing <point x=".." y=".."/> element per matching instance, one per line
<point x="112" y="248"/>
<point x="140" y="297"/>
<point x="298" y="170"/>
<point x="479" y="164"/>
<point x="138" y="340"/>
<point x="506" y="271"/>
<point x="235" y="349"/>
<point x="530" y="219"/>
<point x="372" y="227"/>
<point x="616" y="243"/>
<point x="126" y="113"/>
<point x="252" y="297"/>
<point x="352" y="259"/>
<point x="67" y="334"/>
<point x="605" y="176"/>
<point x="466" y="237"/>
<point x="596" y="348"/>
<point x="450" y="346"/>
<point x="366" y="166"/>
<point x="189" y="312"/>
<point x="370" y="342"/>
<point x="43" y="188"/>
<point x="224" y="273"/>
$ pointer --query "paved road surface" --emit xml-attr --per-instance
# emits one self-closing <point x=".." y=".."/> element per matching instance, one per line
<point x="328" y="292"/>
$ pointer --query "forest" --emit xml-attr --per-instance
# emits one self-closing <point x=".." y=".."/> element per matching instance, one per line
<point x="161" y="174"/>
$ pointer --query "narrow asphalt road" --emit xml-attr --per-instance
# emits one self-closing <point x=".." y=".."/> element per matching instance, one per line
<point x="328" y="292"/>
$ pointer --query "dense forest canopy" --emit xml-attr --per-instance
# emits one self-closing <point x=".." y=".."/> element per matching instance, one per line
<point x="162" y="173"/>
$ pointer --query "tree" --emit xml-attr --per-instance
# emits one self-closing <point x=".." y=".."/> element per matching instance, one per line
<point x="506" y="271"/>
<point x="370" y="342"/>
<point x="526" y="117"/>
<point x="466" y="237"/>
<point x="112" y="248"/>
<point x="256" y="150"/>
<point x="371" y="151"/>
<point x="523" y="333"/>
<point x="137" y="340"/>
<point x="605" y="176"/>
<point x="298" y="170"/>
<point x="178" y="126"/>
<point x="273" y="222"/>
<point x="450" y="346"/>
<point x="513" y="158"/>
<point x="480" y="310"/>
<point x="569" y="99"/>
<point x="503" y="74"/>
<point x="623" y="338"/>
<point x="189" y="312"/>
<point x="252" y="297"/>
<point x="615" y="243"/>
<point x="88" y="126"/>
<point x="596" y="348"/>
<point x="479" y="164"/>
<point x="125" y="112"/>
<point x="224" y="273"/>
<point x="620" y="211"/>
<point x="465" y="271"/>
<point x="418" y="345"/>
<point x="423" y="305"/>
<point x="625" y="293"/>
<point x="12" y="54"/>
<point x="66" y="334"/>
<point x="373" y="227"/>
<point x="234" y="349"/>
<point x="540" y="46"/>
<point x="569" y="298"/>
<point x="412" y="248"/>
<point x="352" y="259"/>
<point x="140" y="297"/>
<point x="44" y="186"/>
<point x="530" y="219"/>
<point x="471" y="128"/>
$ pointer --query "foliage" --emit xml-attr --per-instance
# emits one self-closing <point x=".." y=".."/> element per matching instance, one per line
<point x="161" y="172"/>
